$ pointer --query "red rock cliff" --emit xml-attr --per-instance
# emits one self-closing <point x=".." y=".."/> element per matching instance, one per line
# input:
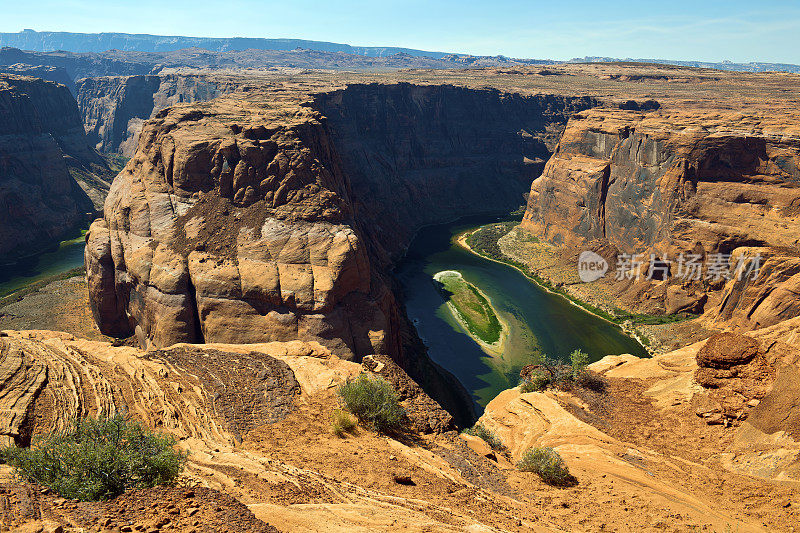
<point x="247" y="220"/>
<point x="671" y="183"/>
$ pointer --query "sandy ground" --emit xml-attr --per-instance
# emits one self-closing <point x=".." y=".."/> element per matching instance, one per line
<point x="59" y="306"/>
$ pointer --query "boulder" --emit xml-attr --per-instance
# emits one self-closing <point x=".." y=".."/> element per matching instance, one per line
<point x="727" y="349"/>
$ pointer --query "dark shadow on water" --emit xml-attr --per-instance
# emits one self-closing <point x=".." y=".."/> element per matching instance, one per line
<point x="61" y="258"/>
<point x="540" y="321"/>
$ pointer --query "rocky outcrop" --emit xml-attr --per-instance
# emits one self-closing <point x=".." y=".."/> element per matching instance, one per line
<point x="237" y="221"/>
<point x="44" y="160"/>
<point x="232" y="225"/>
<point x="672" y="183"/>
<point x="115" y="107"/>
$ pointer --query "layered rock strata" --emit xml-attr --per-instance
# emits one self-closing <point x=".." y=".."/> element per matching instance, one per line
<point x="667" y="183"/>
<point x="244" y="220"/>
<point x="45" y="164"/>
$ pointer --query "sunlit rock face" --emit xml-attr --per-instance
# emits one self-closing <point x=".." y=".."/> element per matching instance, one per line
<point x="680" y="183"/>
<point x="248" y="220"/>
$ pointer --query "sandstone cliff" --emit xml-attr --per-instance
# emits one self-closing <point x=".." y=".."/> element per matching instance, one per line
<point x="246" y="220"/>
<point x="115" y="107"/>
<point x="680" y="182"/>
<point x="233" y="224"/>
<point x="44" y="163"/>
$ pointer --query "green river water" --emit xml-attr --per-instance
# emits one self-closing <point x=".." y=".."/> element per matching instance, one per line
<point x="538" y="320"/>
<point x="66" y="256"/>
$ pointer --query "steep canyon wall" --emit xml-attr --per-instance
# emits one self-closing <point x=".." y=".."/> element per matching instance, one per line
<point x="44" y="157"/>
<point x="114" y="108"/>
<point x="625" y="182"/>
<point x="243" y="220"/>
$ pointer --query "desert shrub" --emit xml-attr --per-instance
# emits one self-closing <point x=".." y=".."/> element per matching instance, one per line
<point x="548" y="372"/>
<point x="373" y="401"/>
<point x="548" y="464"/>
<point x="98" y="459"/>
<point x="480" y="431"/>
<point x="578" y="361"/>
<point x="535" y="382"/>
<point x="342" y="423"/>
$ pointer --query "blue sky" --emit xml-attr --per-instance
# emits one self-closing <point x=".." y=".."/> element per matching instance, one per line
<point x="766" y="30"/>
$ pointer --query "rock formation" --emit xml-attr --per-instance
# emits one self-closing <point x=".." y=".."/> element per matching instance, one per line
<point x="79" y="66"/>
<point x="246" y="221"/>
<point x="672" y="183"/>
<point x="47" y="169"/>
<point x="115" y="107"/>
<point x="49" y="73"/>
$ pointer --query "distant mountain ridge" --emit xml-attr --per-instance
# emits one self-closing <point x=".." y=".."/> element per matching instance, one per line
<point x="47" y="41"/>
<point x="109" y="46"/>
<point x="752" y="66"/>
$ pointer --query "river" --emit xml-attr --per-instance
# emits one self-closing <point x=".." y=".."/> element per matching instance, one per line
<point x="67" y="256"/>
<point x="538" y="320"/>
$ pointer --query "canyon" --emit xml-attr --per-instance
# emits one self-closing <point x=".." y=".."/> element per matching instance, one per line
<point x="705" y="184"/>
<point x="254" y="232"/>
<point x="51" y="180"/>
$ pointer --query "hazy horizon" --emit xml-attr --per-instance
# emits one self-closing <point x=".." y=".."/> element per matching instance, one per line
<point x="711" y="31"/>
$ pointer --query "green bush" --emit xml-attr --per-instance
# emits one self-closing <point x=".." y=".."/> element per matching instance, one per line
<point x="579" y="361"/>
<point x="98" y="459"/>
<point x="548" y="464"/>
<point x="537" y="381"/>
<point x="553" y="373"/>
<point x="479" y="430"/>
<point x="373" y="401"/>
<point x="342" y="423"/>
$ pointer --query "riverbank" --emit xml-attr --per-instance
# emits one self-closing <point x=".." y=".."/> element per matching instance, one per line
<point x="36" y="271"/>
<point x="55" y="305"/>
<point x="473" y="310"/>
<point x="543" y="264"/>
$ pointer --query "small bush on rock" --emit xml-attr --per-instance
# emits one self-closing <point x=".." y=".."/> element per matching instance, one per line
<point x="535" y="382"/>
<point x="546" y="372"/>
<point x="579" y="361"/>
<point x="548" y="464"/>
<point x="342" y="423"/>
<point x="98" y="459"/>
<point x="374" y="402"/>
<point x="480" y="431"/>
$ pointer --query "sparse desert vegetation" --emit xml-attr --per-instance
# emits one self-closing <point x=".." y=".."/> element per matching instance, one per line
<point x="373" y="401"/>
<point x="548" y="464"/>
<point x="342" y="423"/>
<point x="480" y="431"/>
<point x="548" y="372"/>
<point x="98" y="459"/>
